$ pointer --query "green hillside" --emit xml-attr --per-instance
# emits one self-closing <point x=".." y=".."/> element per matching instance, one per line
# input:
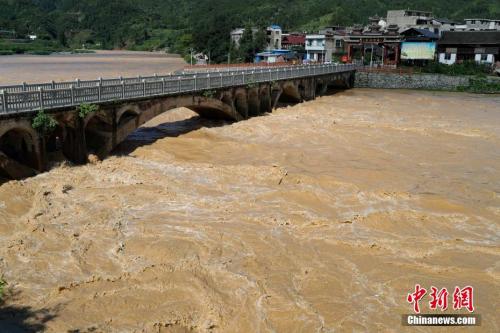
<point x="202" y="24"/>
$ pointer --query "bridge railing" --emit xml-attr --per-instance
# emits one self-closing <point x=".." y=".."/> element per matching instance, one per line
<point x="14" y="99"/>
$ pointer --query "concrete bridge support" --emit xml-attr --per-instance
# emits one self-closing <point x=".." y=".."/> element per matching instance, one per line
<point x="24" y="152"/>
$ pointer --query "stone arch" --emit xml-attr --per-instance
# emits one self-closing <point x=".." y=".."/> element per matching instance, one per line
<point x="54" y="142"/>
<point x="97" y="134"/>
<point x="20" y="155"/>
<point x="290" y="93"/>
<point x="127" y="113"/>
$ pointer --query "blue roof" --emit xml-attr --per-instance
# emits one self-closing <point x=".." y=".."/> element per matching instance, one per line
<point x="424" y="32"/>
<point x="275" y="26"/>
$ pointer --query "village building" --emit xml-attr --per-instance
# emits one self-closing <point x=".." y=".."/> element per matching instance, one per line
<point x="294" y="40"/>
<point x="237" y="34"/>
<point x="274" y="35"/>
<point x="405" y="19"/>
<point x="319" y="47"/>
<point x="374" y="45"/>
<point x="338" y="33"/>
<point x="459" y="46"/>
<point x="482" y="24"/>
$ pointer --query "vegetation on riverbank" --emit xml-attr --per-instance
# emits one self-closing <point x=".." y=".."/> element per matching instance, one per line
<point x="37" y="47"/>
<point x="481" y="85"/>
<point x="464" y="68"/>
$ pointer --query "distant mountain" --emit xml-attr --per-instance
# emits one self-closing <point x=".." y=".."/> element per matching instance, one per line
<point x="202" y="24"/>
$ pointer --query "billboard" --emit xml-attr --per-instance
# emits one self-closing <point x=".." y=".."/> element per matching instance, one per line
<point x="413" y="50"/>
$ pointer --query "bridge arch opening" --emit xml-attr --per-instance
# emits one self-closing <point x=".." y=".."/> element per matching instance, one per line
<point x="54" y="142"/>
<point x="19" y="147"/>
<point x="127" y="116"/>
<point x="97" y="136"/>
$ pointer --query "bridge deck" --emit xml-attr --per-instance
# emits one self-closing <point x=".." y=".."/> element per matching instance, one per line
<point x="32" y="97"/>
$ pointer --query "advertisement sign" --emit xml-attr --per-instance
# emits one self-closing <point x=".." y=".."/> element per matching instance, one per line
<point x="421" y="51"/>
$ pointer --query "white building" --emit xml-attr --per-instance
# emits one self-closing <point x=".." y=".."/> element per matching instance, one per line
<point x="273" y="36"/>
<point x="405" y="19"/>
<point x="236" y="35"/>
<point x="319" y="47"/>
<point x="482" y="24"/>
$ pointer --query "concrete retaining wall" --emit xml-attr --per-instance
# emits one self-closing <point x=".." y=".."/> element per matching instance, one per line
<point x="413" y="81"/>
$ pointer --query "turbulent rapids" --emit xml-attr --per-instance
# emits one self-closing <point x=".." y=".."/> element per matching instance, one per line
<point x="316" y="218"/>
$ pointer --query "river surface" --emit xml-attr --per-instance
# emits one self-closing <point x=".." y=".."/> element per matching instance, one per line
<point x="67" y="67"/>
<point x="319" y="217"/>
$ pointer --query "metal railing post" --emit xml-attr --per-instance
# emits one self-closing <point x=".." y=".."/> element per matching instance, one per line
<point x="221" y="83"/>
<point x="25" y="86"/>
<point x="123" y="88"/>
<point x="72" y="94"/>
<point x="143" y="87"/>
<point x="195" y="83"/>
<point x="40" y="97"/>
<point x="53" y="84"/>
<point x="208" y="81"/>
<point x="99" y="91"/>
<point x="179" y="81"/>
<point x="163" y="85"/>
<point x="5" y="106"/>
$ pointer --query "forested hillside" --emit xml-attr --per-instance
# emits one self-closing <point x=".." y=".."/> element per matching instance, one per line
<point x="202" y="24"/>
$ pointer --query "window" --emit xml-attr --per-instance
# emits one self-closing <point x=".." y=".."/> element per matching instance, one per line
<point x="484" y="57"/>
<point x="338" y="43"/>
<point x="447" y="56"/>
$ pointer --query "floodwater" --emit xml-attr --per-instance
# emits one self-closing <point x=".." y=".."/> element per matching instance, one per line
<point x="320" y="217"/>
<point x="67" y="67"/>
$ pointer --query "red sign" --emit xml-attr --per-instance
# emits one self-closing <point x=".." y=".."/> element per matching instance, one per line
<point x="462" y="298"/>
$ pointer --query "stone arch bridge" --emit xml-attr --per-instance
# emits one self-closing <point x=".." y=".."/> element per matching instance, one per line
<point x="126" y="104"/>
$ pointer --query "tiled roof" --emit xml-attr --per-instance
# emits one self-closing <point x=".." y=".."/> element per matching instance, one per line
<point x="470" y="37"/>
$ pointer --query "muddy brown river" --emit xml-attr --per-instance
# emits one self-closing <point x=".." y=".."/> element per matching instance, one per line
<point x="67" y="67"/>
<point x="320" y="217"/>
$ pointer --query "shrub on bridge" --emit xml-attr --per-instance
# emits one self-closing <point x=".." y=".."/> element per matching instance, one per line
<point x="85" y="109"/>
<point x="44" y="123"/>
<point x="209" y="93"/>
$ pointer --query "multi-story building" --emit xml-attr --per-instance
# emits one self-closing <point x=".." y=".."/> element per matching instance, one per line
<point x="482" y="24"/>
<point x="319" y="47"/>
<point x="338" y="33"/>
<point x="443" y="24"/>
<point x="405" y="19"/>
<point x="274" y="35"/>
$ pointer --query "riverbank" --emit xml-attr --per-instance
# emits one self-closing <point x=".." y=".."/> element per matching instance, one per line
<point x="426" y="81"/>
<point x="317" y="217"/>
